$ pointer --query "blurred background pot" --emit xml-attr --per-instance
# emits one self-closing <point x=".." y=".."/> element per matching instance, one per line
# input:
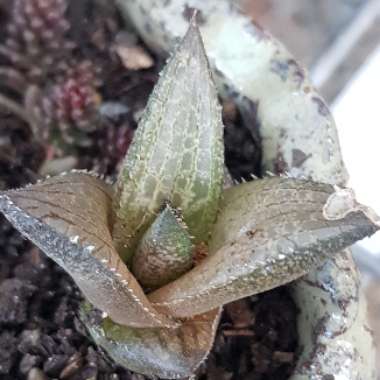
<point x="299" y="138"/>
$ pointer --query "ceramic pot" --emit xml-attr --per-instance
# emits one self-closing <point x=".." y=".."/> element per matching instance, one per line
<point x="299" y="139"/>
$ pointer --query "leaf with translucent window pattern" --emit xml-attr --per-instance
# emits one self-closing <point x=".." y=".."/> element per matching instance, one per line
<point x="177" y="152"/>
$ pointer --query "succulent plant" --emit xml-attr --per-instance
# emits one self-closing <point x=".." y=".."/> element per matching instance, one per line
<point x="69" y="107"/>
<point x="165" y="248"/>
<point x="36" y="39"/>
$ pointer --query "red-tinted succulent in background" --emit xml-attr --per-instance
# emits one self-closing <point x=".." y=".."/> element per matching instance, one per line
<point x="59" y="92"/>
<point x="73" y="100"/>
<point x="36" y="42"/>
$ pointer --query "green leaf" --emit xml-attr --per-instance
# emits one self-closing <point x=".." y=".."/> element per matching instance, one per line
<point x="165" y="251"/>
<point x="166" y="353"/>
<point x="268" y="85"/>
<point x="177" y="152"/>
<point x="268" y="233"/>
<point x="69" y="218"/>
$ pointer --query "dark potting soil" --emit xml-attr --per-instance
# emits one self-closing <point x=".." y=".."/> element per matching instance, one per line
<point x="41" y="336"/>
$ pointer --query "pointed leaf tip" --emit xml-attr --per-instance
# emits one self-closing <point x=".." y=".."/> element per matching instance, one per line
<point x="164" y="252"/>
<point x="177" y="154"/>
<point x="193" y="31"/>
<point x="343" y="202"/>
<point x="268" y="233"/>
<point x="68" y="217"/>
<point x="193" y="19"/>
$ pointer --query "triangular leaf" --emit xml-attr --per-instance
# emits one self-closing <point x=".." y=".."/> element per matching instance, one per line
<point x="69" y="218"/>
<point x="177" y="152"/>
<point x="165" y="252"/>
<point x="166" y="353"/>
<point x="268" y="233"/>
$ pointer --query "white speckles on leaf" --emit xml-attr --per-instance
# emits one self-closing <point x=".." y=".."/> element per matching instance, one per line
<point x="74" y="239"/>
<point x="285" y="235"/>
<point x="69" y="218"/>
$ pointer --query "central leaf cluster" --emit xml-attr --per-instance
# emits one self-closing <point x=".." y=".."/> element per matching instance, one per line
<point x="176" y="158"/>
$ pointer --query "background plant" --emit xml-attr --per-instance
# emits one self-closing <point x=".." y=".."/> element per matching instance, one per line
<point x="167" y="207"/>
<point x="55" y="70"/>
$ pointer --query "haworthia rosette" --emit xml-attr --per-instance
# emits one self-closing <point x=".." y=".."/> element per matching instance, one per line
<point x="268" y="233"/>
<point x="69" y="218"/>
<point x="166" y="353"/>
<point x="177" y="152"/>
<point x="165" y="252"/>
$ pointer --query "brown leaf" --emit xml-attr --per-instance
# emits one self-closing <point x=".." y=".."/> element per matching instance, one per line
<point x="69" y="218"/>
<point x="162" y="352"/>
<point x="268" y="233"/>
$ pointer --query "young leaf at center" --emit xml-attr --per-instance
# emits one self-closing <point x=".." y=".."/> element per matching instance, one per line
<point x="165" y="252"/>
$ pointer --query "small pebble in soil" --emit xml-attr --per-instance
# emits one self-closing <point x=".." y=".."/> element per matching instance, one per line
<point x="14" y="296"/>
